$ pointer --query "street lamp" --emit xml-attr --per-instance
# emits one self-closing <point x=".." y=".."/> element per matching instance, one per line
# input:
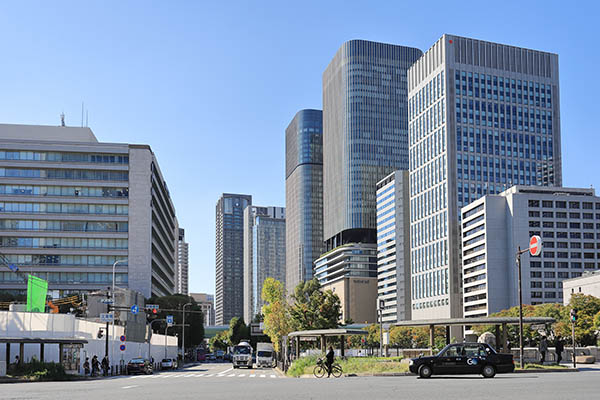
<point x="183" y="332"/>
<point x="150" y="337"/>
<point x="113" y="299"/>
<point x="381" y="307"/>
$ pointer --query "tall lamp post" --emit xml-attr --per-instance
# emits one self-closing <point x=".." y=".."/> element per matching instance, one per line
<point x="381" y="307"/>
<point x="183" y="332"/>
<point x="150" y="337"/>
<point x="112" y="335"/>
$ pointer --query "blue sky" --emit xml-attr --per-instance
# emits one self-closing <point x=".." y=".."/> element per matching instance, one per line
<point x="212" y="85"/>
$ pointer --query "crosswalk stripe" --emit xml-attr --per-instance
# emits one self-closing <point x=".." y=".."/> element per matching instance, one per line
<point x="263" y="376"/>
<point x="273" y="376"/>
<point x="231" y="375"/>
<point x="252" y="376"/>
<point x="209" y="375"/>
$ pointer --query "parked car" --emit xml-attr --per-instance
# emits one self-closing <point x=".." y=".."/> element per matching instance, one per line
<point x="463" y="358"/>
<point x="168" y="363"/>
<point x="220" y="354"/>
<point x="210" y="357"/>
<point x="139" y="366"/>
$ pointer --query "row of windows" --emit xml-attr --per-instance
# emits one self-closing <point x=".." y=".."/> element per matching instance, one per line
<point x="64" y="208"/>
<point x="547" y="295"/>
<point x="64" y="157"/>
<point x="553" y="275"/>
<point x="565" y="235"/>
<point x="562" y="214"/>
<point x="432" y="228"/>
<point x="586" y="205"/>
<point x="562" y="225"/>
<point x="504" y="89"/>
<point x="427" y="95"/>
<point x="70" y="277"/>
<point x="75" y="174"/>
<point x="65" y="243"/>
<point x="39" y="259"/>
<point x="434" y="283"/>
<point x="29" y="190"/>
<point x="433" y="255"/>
<point x="573" y="245"/>
<point x="81" y="226"/>
<point x="428" y="162"/>
<point x="430" y="304"/>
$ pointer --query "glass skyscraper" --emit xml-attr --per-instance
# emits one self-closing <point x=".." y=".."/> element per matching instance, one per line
<point x="229" y="249"/>
<point x="303" y="195"/>
<point x="264" y="253"/>
<point x="365" y="134"/>
<point x="483" y="117"/>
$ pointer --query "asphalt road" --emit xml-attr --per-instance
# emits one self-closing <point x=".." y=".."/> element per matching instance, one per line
<point x="220" y="381"/>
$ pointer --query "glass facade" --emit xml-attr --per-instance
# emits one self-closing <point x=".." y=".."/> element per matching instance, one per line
<point x="483" y="117"/>
<point x="304" y="195"/>
<point x="365" y="137"/>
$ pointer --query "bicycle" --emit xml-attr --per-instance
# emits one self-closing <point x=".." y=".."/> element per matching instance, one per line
<point x="321" y="369"/>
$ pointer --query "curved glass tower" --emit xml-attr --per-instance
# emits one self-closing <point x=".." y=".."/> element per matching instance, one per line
<point x="303" y="195"/>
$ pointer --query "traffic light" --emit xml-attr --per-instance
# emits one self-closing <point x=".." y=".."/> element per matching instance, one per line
<point x="154" y="311"/>
<point x="100" y="334"/>
<point x="573" y="315"/>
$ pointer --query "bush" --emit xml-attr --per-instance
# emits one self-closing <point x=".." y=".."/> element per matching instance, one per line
<point x="41" y="371"/>
<point x="302" y="366"/>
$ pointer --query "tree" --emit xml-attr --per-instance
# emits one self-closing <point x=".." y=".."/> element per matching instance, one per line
<point x="275" y="311"/>
<point x="194" y="332"/>
<point x="219" y="341"/>
<point x="238" y="331"/>
<point x="313" y="308"/>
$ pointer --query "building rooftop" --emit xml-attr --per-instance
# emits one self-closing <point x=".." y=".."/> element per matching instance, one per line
<point x="47" y="133"/>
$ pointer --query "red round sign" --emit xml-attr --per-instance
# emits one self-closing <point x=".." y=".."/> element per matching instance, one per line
<point x="535" y="245"/>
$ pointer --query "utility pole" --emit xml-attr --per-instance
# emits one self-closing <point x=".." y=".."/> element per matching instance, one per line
<point x="150" y="337"/>
<point x="183" y="332"/>
<point x="381" y="306"/>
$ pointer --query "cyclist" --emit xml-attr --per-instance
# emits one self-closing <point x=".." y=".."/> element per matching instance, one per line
<point x="329" y="361"/>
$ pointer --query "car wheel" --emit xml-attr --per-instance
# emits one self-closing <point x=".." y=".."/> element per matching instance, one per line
<point x="425" y="371"/>
<point x="488" y="371"/>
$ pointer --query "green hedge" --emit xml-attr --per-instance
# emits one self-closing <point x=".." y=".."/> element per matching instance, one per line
<point x="41" y="371"/>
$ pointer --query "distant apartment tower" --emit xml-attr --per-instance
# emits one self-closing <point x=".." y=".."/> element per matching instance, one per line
<point x="229" y="261"/>
<point x="264" y="253"/>
<point x="303" y="195"/>
<point x="207" y="306"/>
<point x="494" y="226"/>
<point x="393" y="247"/>
<point x="483" y="117"/>
<point x="182" y="263"/>
<point x="71" y="206"/>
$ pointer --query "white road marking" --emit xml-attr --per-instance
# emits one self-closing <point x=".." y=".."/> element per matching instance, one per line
<point x="263" y="376"/>
<point x="242" y="375"/>
<point x="209" y="375"/>
<point x="252" y="376"/>
<point x="129" y="387"/>
<point x="273" y="376"/>
<point x="231" y="375"/>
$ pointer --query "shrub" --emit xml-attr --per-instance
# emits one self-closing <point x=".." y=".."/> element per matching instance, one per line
<point x="41" y="371"/>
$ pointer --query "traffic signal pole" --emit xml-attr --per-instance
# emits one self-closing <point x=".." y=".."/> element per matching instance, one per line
<point x="106" y="332"/>
<point x="573" y="314"/>
<point x="521" y="361"/>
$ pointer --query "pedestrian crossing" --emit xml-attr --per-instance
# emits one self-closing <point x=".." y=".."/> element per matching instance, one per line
<point x="226" y="374"/>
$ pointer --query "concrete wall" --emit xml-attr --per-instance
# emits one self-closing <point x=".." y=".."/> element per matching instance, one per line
<point x="38" y="325"/>
<point x="358" y="297"/>
<point x="586" y="284"/>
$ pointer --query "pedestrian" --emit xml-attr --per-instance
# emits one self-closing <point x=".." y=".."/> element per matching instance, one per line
<point x="329" y="360"/>
<point x="560" y="347"/>
<point x="17" y="359"/>
<point x="86" y="366"/>
<point x="95" y="366"/>
<point x="543" y="347"/>
<point x="105" y="365"/>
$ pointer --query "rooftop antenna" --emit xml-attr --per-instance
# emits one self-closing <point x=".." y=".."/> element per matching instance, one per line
<point x="82" y="114"/>
<point x="86" y="118"/>
<point x="62" y="119"/>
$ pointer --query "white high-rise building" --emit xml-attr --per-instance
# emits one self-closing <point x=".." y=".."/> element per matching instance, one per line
<point x="494" y="226"/>
<point x="183" y="264"/>
<point x="483" y="117"/>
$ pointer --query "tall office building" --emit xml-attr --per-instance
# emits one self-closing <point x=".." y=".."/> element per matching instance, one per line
<point x="365" y="138"/>
<point x="393" y="247"/>
<point x="207" y="306"/>
<point x="365" y="134"/>
<point x="303" y="196"/>
<point x="229" y="260"/>
<point x="495" y="226"/>
<point x="71" y="206"/>
<point x="183" y="264"/>
<point x="264" y="253"/>
<point x="483" y="117"/>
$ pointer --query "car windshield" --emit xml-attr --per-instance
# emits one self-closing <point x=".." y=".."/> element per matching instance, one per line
<point x="137" y="361"/>
<point x="241" y="350"/>
<point x="166" y="360"/>
<point x="264" y="354"/>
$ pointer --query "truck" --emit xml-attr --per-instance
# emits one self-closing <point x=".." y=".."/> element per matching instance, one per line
<point x="242" y="355"/>
<point x="265" y="355"/>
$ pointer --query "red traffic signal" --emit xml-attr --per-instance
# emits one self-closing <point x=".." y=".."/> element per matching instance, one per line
<point x="154" y="311"/>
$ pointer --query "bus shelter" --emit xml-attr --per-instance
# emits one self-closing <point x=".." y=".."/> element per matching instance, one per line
<point x="322" y="335"/>
<point x="497" y="322"/>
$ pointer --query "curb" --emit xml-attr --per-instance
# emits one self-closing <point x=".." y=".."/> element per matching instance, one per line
<point x="537" y="371"/>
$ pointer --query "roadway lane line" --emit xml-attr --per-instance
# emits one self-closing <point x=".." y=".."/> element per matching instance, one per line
<point x="209" y="375"/>
<point x="129" y="387"/>
<point x="227" y="370"/>
<point x="231" y="375"/>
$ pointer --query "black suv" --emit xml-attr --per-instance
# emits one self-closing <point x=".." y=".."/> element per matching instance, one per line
<point x="139" y="365"/>
<point x="463" y="358"/>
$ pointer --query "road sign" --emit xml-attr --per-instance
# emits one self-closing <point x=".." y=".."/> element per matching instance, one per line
<point x="122" y="338"/>
<point x="535" y="245"/>
<point x="122" y="347"/>
<point x="169" y="320"/>
<point x="13" y="267"/>
<point x="152" y="307"/>
<point x="106" y="301"/>
<point x="106" y="317"/>
<point x="134" y="309"/>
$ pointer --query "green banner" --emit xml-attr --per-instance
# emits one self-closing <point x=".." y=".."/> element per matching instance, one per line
<point x="36" y="294"/>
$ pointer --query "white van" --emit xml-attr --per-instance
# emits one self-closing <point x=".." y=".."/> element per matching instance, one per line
<point x="265" y="355"/>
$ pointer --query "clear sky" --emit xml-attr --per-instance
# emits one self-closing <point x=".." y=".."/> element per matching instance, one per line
<point x="212" y="85"/>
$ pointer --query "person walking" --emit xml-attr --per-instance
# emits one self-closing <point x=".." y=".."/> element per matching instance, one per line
<point x="560" y="347"/>
<point x="543" y="348"/>
<point x="86" y="366"/>
<point x="105" y="365"/>
<point x="95" y="366"/>
<point x="329" y="360"/>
